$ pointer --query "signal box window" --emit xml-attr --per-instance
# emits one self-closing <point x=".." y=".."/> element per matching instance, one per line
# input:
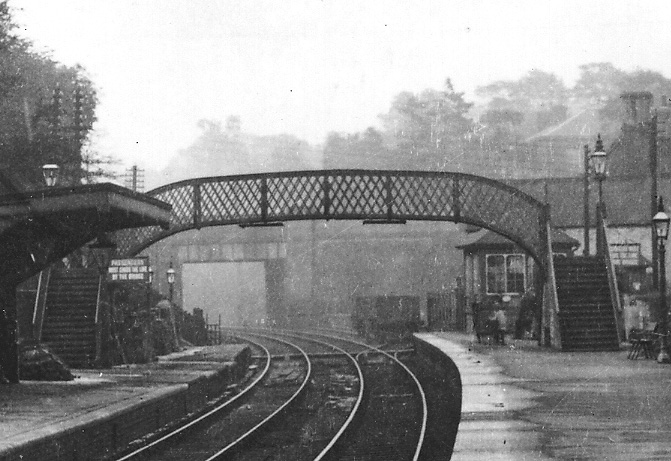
<point x="505" y="273"/>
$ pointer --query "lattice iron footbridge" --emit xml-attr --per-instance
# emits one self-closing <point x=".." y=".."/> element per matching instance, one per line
<point x="384" y="196"/>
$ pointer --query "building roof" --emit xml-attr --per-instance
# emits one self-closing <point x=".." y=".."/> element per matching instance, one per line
<point x="628" y="200"/>
<point x="493" y="241"/>
<point x="583" y="126"/>
<point x="627" y="189"/>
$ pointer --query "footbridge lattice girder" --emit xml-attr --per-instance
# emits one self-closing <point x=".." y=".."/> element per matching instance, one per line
<point x="347" y="194"/>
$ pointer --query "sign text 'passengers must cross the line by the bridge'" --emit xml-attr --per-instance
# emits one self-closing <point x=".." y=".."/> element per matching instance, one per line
<point x="129" y="269"/>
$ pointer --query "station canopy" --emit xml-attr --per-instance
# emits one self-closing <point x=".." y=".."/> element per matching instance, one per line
<point x="39" y="227"/>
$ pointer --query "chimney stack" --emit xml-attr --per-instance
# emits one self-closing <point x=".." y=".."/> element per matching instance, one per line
<point x="637" y="106"/>
<point x="664" y="119"/>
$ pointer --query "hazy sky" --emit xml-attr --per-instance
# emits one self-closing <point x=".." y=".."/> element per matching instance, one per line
<point x="310" y="67"/>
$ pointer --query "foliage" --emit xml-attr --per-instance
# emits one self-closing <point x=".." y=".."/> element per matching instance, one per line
<point x="433" y="129"/>
<point x="141" y="334"/>
<point x="536" y="91"/>
<point x="428" y="129"/>
<point x="500" y="128"/>
<point x="46" y="109"/>
<point x="551" y="116"/>
<point x="639" y="80"/>
<point x="540" y="97"/>
<point x="598" y="82"/>
<point x="230" y="150"/>
<point x="36" y="363"/>
<point x="358" y="150"/>
<point x="502" y="117"/>
<point x="193" y="327"/>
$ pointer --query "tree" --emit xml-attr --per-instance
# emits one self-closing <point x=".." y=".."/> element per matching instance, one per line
<point x="598" y="82"/>
<point x="540" y="96"/>
<point x="358" y="150"/>
<point x="230" y="150"/>
<point x="287" y="153"/>
<point x="430" y="128"/>
<point x="535" y="91"/>
<point x="46" y="109"/>
<point x="602" y="83"/>
<point x="500" y="128"/>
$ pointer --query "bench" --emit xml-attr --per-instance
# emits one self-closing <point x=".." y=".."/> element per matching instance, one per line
<point x="643" y="343"/>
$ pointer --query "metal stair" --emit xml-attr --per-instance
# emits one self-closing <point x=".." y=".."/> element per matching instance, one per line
<point x="69" y="328"/>
<point x="586" y="314"/>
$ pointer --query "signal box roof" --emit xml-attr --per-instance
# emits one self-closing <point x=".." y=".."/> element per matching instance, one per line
<point x="492" y="241"/>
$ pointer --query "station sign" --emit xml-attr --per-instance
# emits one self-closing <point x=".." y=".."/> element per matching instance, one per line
<point x="128" y="270"/>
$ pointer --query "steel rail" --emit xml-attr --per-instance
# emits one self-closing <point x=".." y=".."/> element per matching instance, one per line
<point x="308" y="376"/>
<point x="156" y="444"/>
<point x="425" y="410"/>
<point x="359" y="400"/>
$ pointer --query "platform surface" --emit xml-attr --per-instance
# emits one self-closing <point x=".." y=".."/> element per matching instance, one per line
<point x="523" y="402"/>
<point x="32" y="410"/>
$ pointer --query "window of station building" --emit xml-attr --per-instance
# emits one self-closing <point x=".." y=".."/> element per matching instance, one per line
<point x="506" y="273"/>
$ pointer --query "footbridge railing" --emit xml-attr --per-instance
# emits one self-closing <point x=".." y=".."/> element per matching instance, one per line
<point x="385" y="196"/>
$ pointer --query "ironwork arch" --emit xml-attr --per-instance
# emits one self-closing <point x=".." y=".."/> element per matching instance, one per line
<point x="348" y="195"/>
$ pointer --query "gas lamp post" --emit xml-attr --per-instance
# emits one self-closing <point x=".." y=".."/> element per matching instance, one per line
<point x="50" y="173"/>
<point x="660" y="223"/>
<point x="598" y="166"/>
<point x="171" y="284"/>
<point x="150" y="279"/>
<point x="171" y="280"/>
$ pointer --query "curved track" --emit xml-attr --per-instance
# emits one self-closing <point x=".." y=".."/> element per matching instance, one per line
<point x="391" y="421"/>
<point x="222" y="419"/>
<point x="312" y="429"/>
<point x="340" y="409"/>
<point x="388" y="429"/>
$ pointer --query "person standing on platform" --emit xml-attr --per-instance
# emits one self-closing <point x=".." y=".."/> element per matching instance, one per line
<point x="499" y="317"/>
<point x="475" y="311"/>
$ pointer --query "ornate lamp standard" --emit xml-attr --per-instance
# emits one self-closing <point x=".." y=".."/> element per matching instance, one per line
<point x="171" y="284"/>
<point x="585" y="182"/>
<point x="598" y="163"/>
<point x="660" y="224"/>
<point x="150" y="280"/>
<point x="171" y="280"/>
<point x="50" y="173"/>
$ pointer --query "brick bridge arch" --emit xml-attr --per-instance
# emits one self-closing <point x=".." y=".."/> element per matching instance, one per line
<point x="385" y="196"/>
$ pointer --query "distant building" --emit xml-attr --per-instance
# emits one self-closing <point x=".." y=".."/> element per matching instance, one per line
<point x="560" y="148"/>
<point x="627" y="191"/>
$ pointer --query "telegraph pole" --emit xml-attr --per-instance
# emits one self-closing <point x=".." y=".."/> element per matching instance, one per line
<point x="134" y="179"/>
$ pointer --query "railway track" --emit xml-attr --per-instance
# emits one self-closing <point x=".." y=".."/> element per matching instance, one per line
<point x="224" y="428"/>
<point x="352" y="402"/>
<point x="312" y="429"/>
<point x="393" y="423"/>
<point x="441" y="381"/>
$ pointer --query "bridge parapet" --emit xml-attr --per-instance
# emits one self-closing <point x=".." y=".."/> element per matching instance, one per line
<point x="380" y="195"/>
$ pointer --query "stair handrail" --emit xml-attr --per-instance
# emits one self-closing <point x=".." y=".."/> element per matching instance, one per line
<point x="40" y="306"/>
<point x="99" y="327"/>
<point x="99" y="296"/>
<point x="602" y="226"/>
<point x="551" y="294"/>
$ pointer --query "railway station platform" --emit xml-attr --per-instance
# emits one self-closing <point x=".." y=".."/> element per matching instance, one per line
<point x="524" y="402"/>
<point x="102" y="410"/>
<point x="519" y="402"/>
